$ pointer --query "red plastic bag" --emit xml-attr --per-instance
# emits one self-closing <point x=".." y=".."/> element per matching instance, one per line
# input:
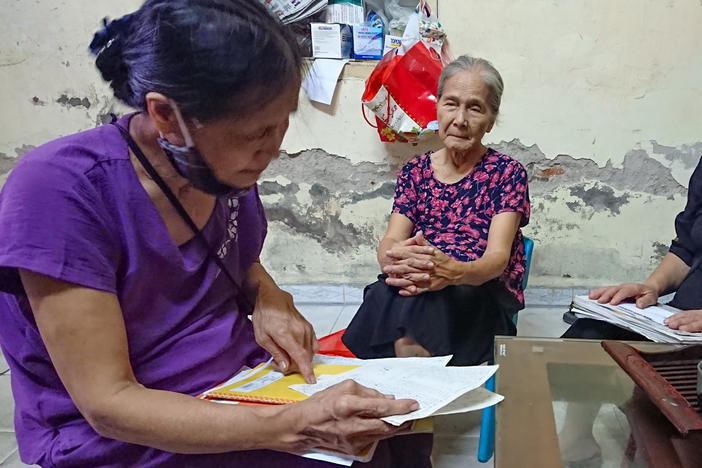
<point x="401" y="90"/>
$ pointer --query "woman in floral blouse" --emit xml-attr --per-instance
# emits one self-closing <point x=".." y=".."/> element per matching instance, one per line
<point x="452" y="257"/>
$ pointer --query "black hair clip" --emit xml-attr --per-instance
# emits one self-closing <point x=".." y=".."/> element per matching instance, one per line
<point x="110" y="31"/>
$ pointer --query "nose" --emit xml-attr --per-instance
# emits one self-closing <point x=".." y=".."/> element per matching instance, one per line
<point x="271" y="145"/>
<point x="461" y="118"/>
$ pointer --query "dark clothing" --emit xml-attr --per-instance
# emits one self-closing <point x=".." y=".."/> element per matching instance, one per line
<point x="592" y="329"/>
<point x="687" y="245"/>
<point x="458" y="320"/>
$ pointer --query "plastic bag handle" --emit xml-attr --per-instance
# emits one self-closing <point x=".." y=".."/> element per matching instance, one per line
<point x="363" y="111"/>
<point x="424" y="6"/>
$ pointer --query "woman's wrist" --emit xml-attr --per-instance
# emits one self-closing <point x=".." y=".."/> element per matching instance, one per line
<point x="653" y="283"/>
<point x="459" y="272"/>
<point x="282" y="425"/>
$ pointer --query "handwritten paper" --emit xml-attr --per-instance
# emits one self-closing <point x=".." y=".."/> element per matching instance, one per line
<point x="425" y="380"/>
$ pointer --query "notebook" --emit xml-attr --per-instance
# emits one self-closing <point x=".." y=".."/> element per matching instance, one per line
<point x="265" y="385"/>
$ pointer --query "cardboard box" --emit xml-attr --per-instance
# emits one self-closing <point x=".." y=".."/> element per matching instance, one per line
<point x="330" y="40"/>
<point x="391" y="42"/>
<point x="367" y="42"/>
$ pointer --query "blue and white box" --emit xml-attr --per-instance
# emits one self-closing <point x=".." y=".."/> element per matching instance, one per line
<point x="367" y="42"/>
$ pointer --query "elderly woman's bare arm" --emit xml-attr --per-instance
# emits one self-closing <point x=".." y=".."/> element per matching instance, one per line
<point x="84" y="333"/>
<point x="503" y="229"/>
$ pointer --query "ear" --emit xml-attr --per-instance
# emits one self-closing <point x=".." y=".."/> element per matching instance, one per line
<point x="492" y="124"/>
<point x="163" y="117"/>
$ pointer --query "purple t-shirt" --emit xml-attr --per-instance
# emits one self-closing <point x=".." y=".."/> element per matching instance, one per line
<point x="75" y="210"/>
<point x="456" y="217"/>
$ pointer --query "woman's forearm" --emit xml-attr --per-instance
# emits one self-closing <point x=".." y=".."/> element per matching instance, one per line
<point x="480" y="271"/>
<point x="182" y="424"/>
<point x="668" y="275"/>
<point x="257" y="277"/>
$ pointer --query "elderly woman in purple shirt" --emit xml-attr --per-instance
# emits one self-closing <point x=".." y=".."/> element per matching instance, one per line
<point x="129" y="260"/>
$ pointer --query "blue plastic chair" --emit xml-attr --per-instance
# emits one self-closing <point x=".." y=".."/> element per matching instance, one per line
<point x="486" y="445"/>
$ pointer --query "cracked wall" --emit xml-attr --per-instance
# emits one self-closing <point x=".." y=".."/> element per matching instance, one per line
<point x="601" y="106"/>
<point x="592" y="224"/>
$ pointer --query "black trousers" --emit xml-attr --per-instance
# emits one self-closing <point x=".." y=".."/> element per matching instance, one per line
<point x="458" y="320"/>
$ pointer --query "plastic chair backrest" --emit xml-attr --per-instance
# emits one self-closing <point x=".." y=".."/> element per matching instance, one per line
<point x="528" y="248"/>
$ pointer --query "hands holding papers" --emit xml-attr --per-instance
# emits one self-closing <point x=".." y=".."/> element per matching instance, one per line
<point x="357" y="402"/>
<point x="425" y="380"/>
<point x="646" y="297"/>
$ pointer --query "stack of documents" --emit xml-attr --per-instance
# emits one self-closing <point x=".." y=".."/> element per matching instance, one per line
<point x="290" y="11"/>
<point x="438" y="389"/>
<point x="647" y="322"/>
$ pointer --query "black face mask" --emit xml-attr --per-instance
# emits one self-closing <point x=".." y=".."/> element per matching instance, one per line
<point x="189" y="163"/>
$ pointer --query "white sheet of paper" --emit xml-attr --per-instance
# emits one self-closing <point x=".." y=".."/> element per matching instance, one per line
<point x="477" y="399"/>
<point x="431" y="384"/>
<point x="320" y="82"/>
<point x="655" y="313"/>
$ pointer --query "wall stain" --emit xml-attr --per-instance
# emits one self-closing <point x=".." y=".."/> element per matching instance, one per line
<point x="73" y="101"/>
<point x="659" y="250"/>
<point x="688" y="155"/>
<point x="600" y="197"/>
<point x="6" y="163"/>
<point x="334" y="184"/>
<point x="24" y="149"/>
<point x="639" y="172"/>
<point x="573" y="206"/>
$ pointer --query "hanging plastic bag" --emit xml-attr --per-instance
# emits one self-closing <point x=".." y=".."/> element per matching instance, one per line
<point x="401" y="90"/>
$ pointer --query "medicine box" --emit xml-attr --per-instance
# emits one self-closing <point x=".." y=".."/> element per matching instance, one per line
<point x="330" y="40"/>
<point x="367" y="42"/>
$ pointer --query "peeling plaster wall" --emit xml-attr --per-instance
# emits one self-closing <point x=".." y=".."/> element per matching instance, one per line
<point x="601" y="106"/>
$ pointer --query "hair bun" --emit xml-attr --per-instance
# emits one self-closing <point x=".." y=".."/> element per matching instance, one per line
<point x="107" y="47"/>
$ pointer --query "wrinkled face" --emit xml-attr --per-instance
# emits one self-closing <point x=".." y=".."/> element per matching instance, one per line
<point x="238" y="149"/>
<point x="462" y="111"/>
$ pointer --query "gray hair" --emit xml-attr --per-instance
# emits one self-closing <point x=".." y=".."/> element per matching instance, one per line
<point x="491" y="77"/>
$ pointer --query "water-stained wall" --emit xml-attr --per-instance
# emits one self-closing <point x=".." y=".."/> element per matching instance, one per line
<point x="601" y="106"/>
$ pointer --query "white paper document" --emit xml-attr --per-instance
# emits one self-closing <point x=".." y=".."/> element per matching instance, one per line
<point x="320" y="82"/>
<point x="656" y="313"/>
<point x="425" y="380"/>
<point x="647" y="322"/>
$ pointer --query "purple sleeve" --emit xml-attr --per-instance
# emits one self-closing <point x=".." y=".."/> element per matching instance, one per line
<point x="53" y="222"/>
<point x="405" y="202"/>
<point x="512" y="193"/>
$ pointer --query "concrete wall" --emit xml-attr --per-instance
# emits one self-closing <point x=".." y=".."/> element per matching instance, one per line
<point x="601" y="105"/>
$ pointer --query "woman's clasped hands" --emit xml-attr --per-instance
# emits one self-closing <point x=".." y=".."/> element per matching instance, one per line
<point x="415" y="266"/>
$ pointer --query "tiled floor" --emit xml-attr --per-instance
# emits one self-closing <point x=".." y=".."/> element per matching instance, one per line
<point x="330" y="309"/>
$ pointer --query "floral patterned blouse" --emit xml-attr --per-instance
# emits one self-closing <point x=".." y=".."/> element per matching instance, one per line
<point x="456" y="217"/>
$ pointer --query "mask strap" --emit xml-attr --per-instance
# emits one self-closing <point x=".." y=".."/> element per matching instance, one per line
<point x="181" y="124"/>
<point x="182" y="212"/>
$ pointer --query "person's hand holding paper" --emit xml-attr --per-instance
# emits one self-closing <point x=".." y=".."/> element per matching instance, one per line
<point x="346" y="417"/>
